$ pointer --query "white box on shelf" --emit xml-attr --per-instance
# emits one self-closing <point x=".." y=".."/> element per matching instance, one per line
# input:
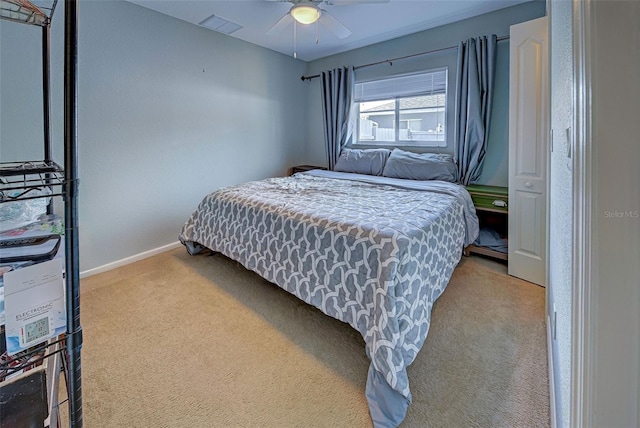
<point x="34" y="305"/>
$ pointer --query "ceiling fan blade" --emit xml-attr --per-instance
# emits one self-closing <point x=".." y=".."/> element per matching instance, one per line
<point x="348" y="2"/>
<point x="334" y="25"/>
<point x="279" y="26"/>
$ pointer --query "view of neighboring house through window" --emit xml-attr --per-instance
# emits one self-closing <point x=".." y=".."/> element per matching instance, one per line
<point x="403" y="110"/>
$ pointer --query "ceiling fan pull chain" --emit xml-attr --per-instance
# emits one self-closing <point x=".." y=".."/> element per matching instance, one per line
<point x="317" y="32"/>
<point x="295" y="37"/>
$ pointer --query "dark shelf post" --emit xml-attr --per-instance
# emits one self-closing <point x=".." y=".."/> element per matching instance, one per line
<point x="74" y="331"/>
<point x="46" y="99"/>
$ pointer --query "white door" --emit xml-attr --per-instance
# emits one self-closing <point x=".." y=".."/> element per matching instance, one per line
<point x="528" y="135"/>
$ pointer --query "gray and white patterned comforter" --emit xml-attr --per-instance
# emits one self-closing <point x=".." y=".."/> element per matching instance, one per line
<point x="374" y="255"/>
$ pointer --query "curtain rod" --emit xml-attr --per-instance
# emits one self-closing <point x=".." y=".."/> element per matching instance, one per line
<point x="390" y="61"/>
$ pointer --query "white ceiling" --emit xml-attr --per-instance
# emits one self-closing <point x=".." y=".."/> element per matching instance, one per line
<point x="369" y="23"/>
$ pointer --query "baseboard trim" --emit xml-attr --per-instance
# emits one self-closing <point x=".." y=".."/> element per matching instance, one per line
<point x="128" y="260"/>
<point x="552" y="383"/>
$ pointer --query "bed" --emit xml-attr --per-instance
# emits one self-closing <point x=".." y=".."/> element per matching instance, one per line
<point x="372" y="251"/>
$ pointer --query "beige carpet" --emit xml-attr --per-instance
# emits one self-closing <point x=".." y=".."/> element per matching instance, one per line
<point x="181" y="341"/>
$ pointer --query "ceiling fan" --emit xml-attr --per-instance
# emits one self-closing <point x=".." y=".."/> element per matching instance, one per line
<point x="307" y="12"/>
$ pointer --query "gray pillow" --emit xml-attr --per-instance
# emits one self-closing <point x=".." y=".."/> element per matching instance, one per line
<point x="420" y="166"/>
<point x="362" y="161"/>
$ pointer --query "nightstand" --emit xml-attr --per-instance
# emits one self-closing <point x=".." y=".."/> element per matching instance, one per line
<point x="302" y="168"/>
<point x="492" y="208"/>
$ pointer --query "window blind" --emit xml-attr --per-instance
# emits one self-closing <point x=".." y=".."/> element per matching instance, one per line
<point x="429" y="83"/>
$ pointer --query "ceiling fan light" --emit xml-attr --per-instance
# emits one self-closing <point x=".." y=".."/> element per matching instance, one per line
<point x="305" y="14"/>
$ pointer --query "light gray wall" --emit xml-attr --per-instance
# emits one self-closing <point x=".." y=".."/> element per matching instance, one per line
<point x="496" y="165"/>
<point x="21" y="126"/>
<point x="614" y="47"/>
<point x="561" y="202"/>
<point x="168" y="112"/>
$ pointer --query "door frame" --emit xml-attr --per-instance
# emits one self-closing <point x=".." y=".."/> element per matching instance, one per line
<point x="583" y="319"/>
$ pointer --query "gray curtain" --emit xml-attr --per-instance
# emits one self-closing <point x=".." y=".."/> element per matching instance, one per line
<point x="474" y="99"/>
<point x="337" y="97"/>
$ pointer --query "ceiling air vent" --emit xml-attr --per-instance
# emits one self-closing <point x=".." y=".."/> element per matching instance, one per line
<point x="220" y="25"/>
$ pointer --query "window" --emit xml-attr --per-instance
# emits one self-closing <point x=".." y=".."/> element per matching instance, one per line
<point x="408" y="110"/>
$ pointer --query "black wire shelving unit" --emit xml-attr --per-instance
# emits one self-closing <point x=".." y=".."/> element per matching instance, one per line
<point x="18" y="180"/>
